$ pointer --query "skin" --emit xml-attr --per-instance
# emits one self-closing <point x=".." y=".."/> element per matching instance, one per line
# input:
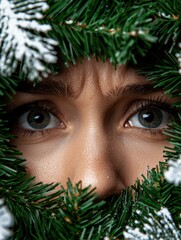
<point x="94" y="140"/>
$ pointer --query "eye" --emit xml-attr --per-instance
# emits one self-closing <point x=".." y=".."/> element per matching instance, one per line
<point x="38" y="119"/>
<point x="150" y="118"/>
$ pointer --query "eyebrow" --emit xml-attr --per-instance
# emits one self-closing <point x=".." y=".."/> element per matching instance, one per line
<point x="48" y="87"/>
<point x="60" y="88"/>
<point x="132" y="89"/>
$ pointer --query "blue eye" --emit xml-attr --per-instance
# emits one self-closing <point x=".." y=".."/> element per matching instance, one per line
<point x="150" y="118"/>
<point x="38" y="119"/>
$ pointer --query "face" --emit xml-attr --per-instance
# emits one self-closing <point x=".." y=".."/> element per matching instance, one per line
<point x="91" y="123"/>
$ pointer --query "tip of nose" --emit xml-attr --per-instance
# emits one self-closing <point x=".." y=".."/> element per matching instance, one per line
<point x="105" y="187"/>
<point x="107" y="191"/>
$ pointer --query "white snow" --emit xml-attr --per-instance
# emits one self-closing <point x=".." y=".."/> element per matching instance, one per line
<point x="157" y="226"/>
<point x="173" y="174"/>
<point x="6" y="221"/>
<point x="19" y="43"/>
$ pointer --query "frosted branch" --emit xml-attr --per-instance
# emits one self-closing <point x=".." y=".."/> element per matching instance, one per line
<point x="19" y="42"/>
<point x="157" y="226"/>
<point x="178" y="55"/>
<point x="173" y="174"/>
<point x="6" y="221"/>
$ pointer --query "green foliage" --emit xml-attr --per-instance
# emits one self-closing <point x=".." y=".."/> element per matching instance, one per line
<point x="72" y="213"/>
<point x="118" y="30"/>
<point x="155" y="192"/>
<point x="101" y="28"/>
<point x="152" y="195"/>
<point x="142" y="33"/>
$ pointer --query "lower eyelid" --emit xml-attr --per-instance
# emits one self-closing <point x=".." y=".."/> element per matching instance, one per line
<point x="29" y="135"/>
<point x="155" y="132"/>
<point x="147" y="134"/>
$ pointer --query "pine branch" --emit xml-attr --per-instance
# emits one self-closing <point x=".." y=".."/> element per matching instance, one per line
<point x="131" y="32"/>
<point x="173" y="175"/>
<point x="103" y="35"/>
<point x="19" y="41"/>
<point x="154" y="194"/>
<point x="156" y="226"/>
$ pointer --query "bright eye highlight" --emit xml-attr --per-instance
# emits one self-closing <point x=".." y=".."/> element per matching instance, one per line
<point x="150" y="117"/>
<point x="38" y="119"/>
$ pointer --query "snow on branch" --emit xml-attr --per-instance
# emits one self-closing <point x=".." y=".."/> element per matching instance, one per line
<point x="178" y="55"/>
<point x="6" y="221"/>
<point x="19" y="39"/>
<point x="173" y="174"/>
<point x="157" y="226"/>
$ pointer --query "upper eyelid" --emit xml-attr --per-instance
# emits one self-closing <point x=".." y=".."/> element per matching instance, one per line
<point x="44" y="104"/>
<point x="38" y="103"/>
<point x="148" y="102"/>
<point x="135" y="107"/>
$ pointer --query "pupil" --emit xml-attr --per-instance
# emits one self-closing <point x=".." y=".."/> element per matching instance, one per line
<point x="150" y="117"/>
<point x="38" y="119"/>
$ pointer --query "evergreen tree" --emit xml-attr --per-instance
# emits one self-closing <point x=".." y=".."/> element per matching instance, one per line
<point x="124" y="32"/>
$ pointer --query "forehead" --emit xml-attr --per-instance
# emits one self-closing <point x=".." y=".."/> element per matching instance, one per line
<point x="97" y="75"/>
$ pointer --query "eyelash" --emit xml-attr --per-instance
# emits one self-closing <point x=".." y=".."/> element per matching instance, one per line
<point x="44" y="105"/>
<point x="157" y="102"/>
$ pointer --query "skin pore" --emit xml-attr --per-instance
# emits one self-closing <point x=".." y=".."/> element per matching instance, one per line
<point x="91" y="123"/>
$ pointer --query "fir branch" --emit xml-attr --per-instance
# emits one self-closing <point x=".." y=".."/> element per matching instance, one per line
<point x="6" y="221"/>
<point x="19" y="42"/>
<point x="103" y="35"/>
<point x="173" y="174"/>
<point x="178" y="55"/>
<point x="174" y="135"/>
<point x="157" y="226"/>
<point x="155" y="193"/>
<point x="121" y="31"/>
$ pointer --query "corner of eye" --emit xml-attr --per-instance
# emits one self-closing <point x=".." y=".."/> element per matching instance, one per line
<point x="128" y="124"/>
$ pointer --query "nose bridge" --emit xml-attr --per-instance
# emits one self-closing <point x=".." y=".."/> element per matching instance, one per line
<point x="95" y="139"/>
<point x="96" y="163"/>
